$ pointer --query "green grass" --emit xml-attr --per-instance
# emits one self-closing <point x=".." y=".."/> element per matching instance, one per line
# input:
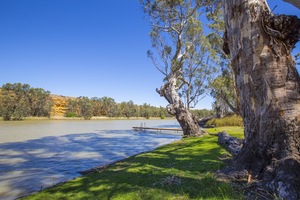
<point x="235" y="131"/>
<point x="181" y="170"/>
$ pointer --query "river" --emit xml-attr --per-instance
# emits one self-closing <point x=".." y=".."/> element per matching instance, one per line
<point x="40" y="153"/>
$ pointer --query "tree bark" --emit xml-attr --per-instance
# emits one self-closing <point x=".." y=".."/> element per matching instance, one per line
<point x="296" y="3"/>
<point x="187" y="121"/>
<point x="232" y="144"/>
<point x="268" y="85"/>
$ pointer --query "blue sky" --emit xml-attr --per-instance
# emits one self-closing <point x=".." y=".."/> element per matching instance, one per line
<point x="91" y="48"/>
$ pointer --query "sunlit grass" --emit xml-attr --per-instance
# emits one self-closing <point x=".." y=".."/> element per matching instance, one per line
<point x="235" y="131"/>
<point x="181" y="170"/>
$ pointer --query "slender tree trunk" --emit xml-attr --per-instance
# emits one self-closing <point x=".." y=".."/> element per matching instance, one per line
<point x="188" y="97"/>
<point x="233" y="108"/>
<point x="269" y="90"/>
<point x="187" y="121"/>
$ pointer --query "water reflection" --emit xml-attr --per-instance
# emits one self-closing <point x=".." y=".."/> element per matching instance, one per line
<point x="28" y="166"/>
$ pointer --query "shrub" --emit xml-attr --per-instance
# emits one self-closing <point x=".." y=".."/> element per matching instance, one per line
<point x="70" y="114"/>
<point x="232" y="120"/>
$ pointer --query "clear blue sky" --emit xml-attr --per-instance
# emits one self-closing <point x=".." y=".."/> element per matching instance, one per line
<point x="91" y="48"/>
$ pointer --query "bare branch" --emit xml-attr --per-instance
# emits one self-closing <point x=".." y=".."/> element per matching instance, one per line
<point x="225" y="99"/>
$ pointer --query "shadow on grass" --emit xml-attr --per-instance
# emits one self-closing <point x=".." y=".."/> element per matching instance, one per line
<point x="181" y="170"/>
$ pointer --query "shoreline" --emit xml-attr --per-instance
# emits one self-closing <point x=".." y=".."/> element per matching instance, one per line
<point x="60" y="150"/>
<point x="93" y="118"/>
<point x="183" y="169"/>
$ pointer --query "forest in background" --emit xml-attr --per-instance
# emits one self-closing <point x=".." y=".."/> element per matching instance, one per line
<point x="18" y="101"/>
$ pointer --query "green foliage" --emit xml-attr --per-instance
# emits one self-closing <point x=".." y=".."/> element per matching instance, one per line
<point x="40" y="102"/>
<point x="18" y="101"/>
<point x="80" y="107"/>
<point x="181" y="170"/>
<point x="181" y="48"/>
<point x="106" y="106"/>
<point x="73" y="107"/>
<point x="7" y="105"/>
<point x="70" y="114"/>
<point x="97" y="106"/>
<point x="203" y="113"/>
<point x="86" y="107"/>
<point x="128" y="109"/>
<point x="233" y="120"/>
<point x="146" y="111"/>
<point x="223" y="91"/>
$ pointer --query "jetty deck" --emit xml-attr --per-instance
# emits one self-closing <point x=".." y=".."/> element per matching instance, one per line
<point x="136" y="128"/>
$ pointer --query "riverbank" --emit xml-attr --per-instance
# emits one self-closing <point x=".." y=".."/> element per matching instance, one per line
<point x="181" y="170"/>
<point x="93" y="118"/>
<point x="37" y="154"/>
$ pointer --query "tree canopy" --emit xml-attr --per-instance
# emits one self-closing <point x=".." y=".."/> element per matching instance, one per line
<point x="20" y="100"/>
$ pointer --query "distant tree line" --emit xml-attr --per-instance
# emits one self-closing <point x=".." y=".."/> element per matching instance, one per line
<point x="106" y="106"/>
<point x="20" y="100"/>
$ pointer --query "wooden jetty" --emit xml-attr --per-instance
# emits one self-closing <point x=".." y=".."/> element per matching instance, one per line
<point x="140" y="128"/>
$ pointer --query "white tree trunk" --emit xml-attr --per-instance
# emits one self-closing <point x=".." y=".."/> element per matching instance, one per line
<point x="187" y="121"/>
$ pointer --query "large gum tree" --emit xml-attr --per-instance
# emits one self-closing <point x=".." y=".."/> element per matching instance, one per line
<point x="179" y="42"/>
<point x="268" y="85"/>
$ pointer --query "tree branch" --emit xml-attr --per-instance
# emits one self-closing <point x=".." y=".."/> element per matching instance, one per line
<point x="234" y="109"/>
<point x="295" y="3"/>
<point x="284" y="28"/>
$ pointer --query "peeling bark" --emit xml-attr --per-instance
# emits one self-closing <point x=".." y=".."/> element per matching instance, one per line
<point x="232" y="144"/>
<point x="268" y="85"/>
<point x="187" y="121"/>
<point x="296" y="3"/>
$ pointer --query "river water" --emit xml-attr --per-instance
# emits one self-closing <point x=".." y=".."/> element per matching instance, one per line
<point x="40" y="153"/>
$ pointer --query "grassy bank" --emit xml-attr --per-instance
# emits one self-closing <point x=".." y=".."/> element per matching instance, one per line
<point x="181" y="170"/>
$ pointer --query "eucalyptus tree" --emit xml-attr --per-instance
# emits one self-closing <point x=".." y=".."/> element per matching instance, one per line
<point x="7" y="104"/>
<point x="40" y="102"/>
<point x="86" y="107"/>
<point x="18" y="101"/>
<point x="268" y="86"/>
<point x="224" y="92"/>
<point x="73" y="108"/>
<point x="179" y="43"/>
<point x="108" y="107"/>
<point x="128" y="109"/>
<point x="146" y="111"/>
<point x="197" y="72"/>
<point x="96" y="102"/>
